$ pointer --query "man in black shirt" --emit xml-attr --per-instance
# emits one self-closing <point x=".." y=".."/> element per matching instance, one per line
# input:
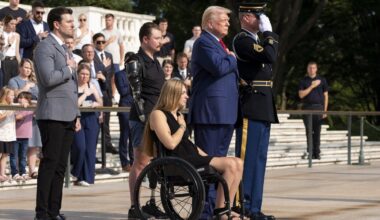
<point x="313" y="91"/>
<point x="167" y="49"/>
<point x="18" y="13"/>
<point x="152" y="80"/>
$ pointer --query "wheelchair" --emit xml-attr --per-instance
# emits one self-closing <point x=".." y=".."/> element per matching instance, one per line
<point x="178" y="188"/>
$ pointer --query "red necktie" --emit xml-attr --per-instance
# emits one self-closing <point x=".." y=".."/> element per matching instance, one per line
<point x="223" y="45"/>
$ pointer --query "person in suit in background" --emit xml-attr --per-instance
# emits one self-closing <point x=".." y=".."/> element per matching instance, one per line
<point x="214" y="99"/>
<point x="32" y="31"/>
<point x="126" y="100"/>
<point x="255" y="60"/>
<point x="57" y="111"/>
<point x="103" y="62"/>
<point x="183" y="71"/>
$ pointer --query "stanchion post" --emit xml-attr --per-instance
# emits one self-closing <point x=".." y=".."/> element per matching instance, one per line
<point x="349" y="126"/>
<point x="103" y="146"/>
<point x="361" y="153"/>
<point x="310" y="138"/>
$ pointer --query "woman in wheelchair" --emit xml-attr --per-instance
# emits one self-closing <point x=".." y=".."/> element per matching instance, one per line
<point x="166" y="122"/>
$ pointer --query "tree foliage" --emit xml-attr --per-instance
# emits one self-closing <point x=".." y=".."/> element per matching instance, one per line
<point x="123" y="5"/>
<point x="341" y="35"/>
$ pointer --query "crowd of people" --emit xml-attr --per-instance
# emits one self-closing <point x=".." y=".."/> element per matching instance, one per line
<point x="101" y="54"/>
<point x="60" y="68"/>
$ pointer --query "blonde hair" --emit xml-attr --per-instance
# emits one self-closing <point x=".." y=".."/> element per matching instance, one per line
<point x="211" y="13"/>
<point x="170" y="96"/>
<point x="32" y="76"/>
<point x="3" y="95"/>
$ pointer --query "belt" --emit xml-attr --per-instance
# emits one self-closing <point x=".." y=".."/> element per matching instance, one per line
<point x="10" y="58"/>
<point x="264" y="83"/>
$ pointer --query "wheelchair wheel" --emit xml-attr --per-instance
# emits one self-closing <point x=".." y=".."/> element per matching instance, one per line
<point x="174" y="186"/>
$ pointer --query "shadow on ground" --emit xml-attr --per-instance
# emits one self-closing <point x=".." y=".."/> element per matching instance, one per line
<point x="18" y="214"/>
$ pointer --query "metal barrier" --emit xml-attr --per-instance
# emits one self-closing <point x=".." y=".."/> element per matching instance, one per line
<point x="349" y="114"/>
<point x="310" y="113"/>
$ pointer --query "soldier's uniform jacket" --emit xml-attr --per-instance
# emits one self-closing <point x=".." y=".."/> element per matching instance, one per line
<point x="255" y="61"/>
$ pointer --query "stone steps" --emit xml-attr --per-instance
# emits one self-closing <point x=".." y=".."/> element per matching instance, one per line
<point x="287" y="149"/>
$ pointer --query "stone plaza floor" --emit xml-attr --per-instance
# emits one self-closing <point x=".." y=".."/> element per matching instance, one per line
<point x="324" y="192"/>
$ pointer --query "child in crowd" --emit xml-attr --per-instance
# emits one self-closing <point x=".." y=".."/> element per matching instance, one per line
<point x="23" y="133"/>
<point x="7" y="129"/>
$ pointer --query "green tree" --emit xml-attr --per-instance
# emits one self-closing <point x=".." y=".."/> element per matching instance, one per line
<point x="123" y="5"/>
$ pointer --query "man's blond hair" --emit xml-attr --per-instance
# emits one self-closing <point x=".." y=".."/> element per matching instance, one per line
<point x="211" y="13"/>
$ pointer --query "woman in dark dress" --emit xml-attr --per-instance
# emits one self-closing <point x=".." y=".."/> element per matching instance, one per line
<point x="83" y="150"/>
<point x="168" y="125"/>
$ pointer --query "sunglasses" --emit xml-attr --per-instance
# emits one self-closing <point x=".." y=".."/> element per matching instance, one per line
<point x="40" y="12"/>
<point x="84" y="19"/>
<point x="101" y="42"/>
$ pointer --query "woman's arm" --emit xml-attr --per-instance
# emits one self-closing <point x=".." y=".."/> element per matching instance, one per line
<point x="18" y="57"/>
<point x="159" y="124"/>
<point x="201" y="152"/>
<point x="99" y="100"/>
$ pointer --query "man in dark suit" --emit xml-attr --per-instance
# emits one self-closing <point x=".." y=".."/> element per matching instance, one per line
<point x="255" y="59"/>
<point x="126" y="100"/>
<point x="57" y="111"/>
<point x="214" y="100"/>
<point x="103" y="62"/>
<point x="32" y="31"/>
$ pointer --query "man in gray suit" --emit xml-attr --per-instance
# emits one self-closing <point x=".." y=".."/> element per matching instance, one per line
<point x="57" y="111"/>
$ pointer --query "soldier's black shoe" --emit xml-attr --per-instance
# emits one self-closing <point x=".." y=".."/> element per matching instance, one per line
<point x="261" y="216"/>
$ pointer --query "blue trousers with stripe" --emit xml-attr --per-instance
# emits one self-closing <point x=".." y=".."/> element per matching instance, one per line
<point x="252" y="142"/>
<point x="214" y="140"/>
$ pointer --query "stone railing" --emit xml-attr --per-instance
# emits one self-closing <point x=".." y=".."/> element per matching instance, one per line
<point x="127" y="23"/>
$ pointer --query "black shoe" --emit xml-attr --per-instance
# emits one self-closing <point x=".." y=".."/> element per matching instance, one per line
<point x="59" y="217"/>
<point x="318" y="157"/>
<point x="261" y="216"/>
<point x="98" y="161"/>
<point x="43" y="218"/>
<point x="152" y="209"/>
<point x="132" y="214"/>
<point x="112" y="150"/>
<point x="239" y="210"/>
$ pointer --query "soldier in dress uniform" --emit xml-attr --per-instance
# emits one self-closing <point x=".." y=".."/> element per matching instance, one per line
<point x="255" y="59"/>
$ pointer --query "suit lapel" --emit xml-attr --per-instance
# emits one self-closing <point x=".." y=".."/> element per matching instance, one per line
<point x="214" y="41"/>
<point x="31" y="28"/>
<point x="56" y="44"/>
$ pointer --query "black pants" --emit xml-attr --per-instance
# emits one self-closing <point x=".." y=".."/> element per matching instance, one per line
<point x="107" y="101"/>
<point x="9" y="68"/>
<point x="57" y="137"/>
<point x="316" y="129"/>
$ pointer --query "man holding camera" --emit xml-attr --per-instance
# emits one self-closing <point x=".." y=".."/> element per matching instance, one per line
<point x="255" y="59"/>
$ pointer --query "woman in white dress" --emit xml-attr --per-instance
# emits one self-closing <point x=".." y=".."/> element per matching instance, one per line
<point x="11" y="49"/>
<point x="83" y="35"/>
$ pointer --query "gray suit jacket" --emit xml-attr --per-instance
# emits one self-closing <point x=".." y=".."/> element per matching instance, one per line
<point x="58" y="97"/>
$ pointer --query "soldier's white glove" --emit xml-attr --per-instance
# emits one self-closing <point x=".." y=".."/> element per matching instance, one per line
<point x="264" y="24"/>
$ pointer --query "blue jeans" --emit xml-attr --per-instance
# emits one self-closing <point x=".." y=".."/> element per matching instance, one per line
<point x="18" y="156"/>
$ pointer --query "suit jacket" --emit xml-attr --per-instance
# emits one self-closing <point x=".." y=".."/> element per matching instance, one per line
<point x="177" y="74"/>
<point x="108" y="72"/>
<point x="124" y="89"/>
<point x="28" y="37"/>
<point x="214" y="98"/>
<point x="58" y="89"/>
<point x="255" y="63"/>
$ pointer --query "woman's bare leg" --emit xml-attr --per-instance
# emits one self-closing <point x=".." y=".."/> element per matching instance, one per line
<point x="232" y="171"/>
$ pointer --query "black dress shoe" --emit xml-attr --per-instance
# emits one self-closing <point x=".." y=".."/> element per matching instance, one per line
<point x="112" y="150"/>
<point x="43" y="218"/>
<point x="59" y="217"/>
<point x="261" y="216"/>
